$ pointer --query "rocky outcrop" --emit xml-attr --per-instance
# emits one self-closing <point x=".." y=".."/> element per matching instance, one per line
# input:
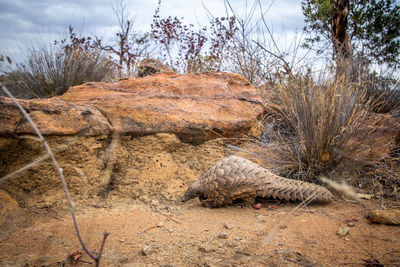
<point x="145" y="138"/>
<point x="194" y="107"/>
<point x="52" y="117"/>
<point x="150" y="66"/>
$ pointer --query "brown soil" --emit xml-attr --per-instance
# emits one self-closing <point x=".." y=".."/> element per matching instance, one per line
<point x="131" y="188"/>
<point x="158" y="166"/>
<point x="160" y="234"/>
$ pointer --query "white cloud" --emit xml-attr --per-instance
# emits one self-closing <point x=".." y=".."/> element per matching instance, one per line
<point x="22" y="21"/>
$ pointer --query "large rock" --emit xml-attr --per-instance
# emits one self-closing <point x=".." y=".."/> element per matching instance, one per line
<point x="150" y="66"/>
<point x="195" y="107"/>
<point x="146" y="138"/>
<point x="52" y="117"/>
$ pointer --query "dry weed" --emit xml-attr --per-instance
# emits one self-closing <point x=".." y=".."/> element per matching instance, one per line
<point x="326" y="126"/>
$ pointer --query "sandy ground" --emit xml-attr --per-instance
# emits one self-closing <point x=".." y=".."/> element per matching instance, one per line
<point x="156" y="234"/>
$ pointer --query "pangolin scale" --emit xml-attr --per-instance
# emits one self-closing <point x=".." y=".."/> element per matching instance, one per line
<point x="237" y="178"/>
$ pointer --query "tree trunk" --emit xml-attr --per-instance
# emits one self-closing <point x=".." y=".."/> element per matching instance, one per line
<point x="340" y="37"/>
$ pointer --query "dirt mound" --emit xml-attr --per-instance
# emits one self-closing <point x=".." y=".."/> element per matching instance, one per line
<point x="144" y="138"/>
<point x="157" y="166"/>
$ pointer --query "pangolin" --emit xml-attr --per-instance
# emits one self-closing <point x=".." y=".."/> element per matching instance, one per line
<point x="236" y="178"/>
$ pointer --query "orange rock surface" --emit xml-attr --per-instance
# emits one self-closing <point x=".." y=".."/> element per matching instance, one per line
<point x="195" y="107"/>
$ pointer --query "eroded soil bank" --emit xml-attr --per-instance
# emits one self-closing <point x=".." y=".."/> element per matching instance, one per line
<point x="158" y="166"/>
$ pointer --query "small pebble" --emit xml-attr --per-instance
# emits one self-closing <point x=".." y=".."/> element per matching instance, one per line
<point x="343" y="230"/>
<point x="351" y="224"/>
<point x="222" y="235"/>
<point x="243" y="251"/>
<point x="144" y="198"/>
<point x="388" y="216"/>
<point x="147" y="250"/>
<point x="231" y="244"/>
<point x="227" y="226"/>
<point x="48" y="234"/>
<point x="66" y="243"/>
<point x="206" y="248"/>
<point x="257" y="206"/>
<point x="282" y="226"/>
<point x="154" y="202"/>
<point x="160" y="224"/>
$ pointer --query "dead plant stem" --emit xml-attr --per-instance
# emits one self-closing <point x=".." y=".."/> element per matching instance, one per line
<point x="60" y="172"/>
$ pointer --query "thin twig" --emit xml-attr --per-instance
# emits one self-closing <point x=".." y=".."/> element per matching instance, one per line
<point x="169" y="217"/>
<point x="147" y="229"/>
<point x="29" y="165"/>
<point x="106" y="234"/>
<point x="380" y="256"/>
<point x="60" y="171"/>
<point x="134" y="256"/>
<point x="25" y="167"/>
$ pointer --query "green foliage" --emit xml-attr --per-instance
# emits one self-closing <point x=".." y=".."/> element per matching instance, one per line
<point x="318" y="15"/>
<point x="373" y="28"/>
<point x="376" y="25"/>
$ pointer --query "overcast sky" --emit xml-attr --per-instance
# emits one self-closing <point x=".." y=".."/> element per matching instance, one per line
<point x="23" y="22"/>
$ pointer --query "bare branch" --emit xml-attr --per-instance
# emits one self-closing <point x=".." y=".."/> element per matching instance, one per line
<point x="286" y="65"/>
<point x="60" y="172"/>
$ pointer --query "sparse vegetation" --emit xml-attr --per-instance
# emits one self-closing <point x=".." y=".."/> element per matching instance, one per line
<point x="321" y="122"/>
<point x="129" y="47"/>
<point x="49" y="70"/>
<point x="188" y="50"/>
<point x="323" y="126"/>
<point x="341" y="123"/>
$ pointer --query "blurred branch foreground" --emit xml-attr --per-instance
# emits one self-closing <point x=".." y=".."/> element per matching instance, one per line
<point x="126" y="127"/>
<point x="60" y="172"/>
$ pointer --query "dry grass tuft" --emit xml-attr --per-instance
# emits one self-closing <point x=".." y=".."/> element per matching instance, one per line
<point x="47" y="71"/>
<point x="326" y="126"/>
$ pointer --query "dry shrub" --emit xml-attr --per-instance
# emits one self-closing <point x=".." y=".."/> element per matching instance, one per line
<point x="47" y="71"/>
<point x="325" y="126"/>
